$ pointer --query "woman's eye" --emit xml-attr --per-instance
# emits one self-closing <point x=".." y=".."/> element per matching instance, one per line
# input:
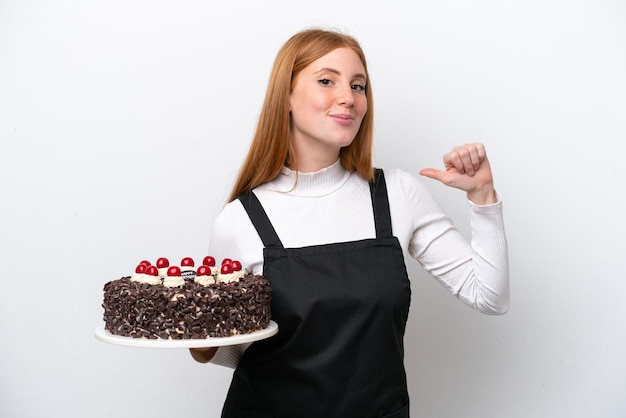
<point x="358" y="87"/>
<point x="324" y="82"/>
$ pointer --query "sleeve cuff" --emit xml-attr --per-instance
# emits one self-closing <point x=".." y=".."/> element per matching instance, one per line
<point x="229" y="356"/>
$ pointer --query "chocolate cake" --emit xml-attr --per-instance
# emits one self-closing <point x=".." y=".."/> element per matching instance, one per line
<point x="137" y="309"/>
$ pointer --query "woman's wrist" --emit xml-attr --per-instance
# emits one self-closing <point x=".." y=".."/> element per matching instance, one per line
<point x="485" y="195"/>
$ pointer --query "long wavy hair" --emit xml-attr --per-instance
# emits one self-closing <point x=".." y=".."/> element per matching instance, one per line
<point x="271" y="146"/>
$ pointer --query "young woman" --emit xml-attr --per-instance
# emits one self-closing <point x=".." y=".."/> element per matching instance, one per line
<point x="329" y="232"/>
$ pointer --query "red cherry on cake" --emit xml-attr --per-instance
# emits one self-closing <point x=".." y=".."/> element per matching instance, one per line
<point x="226" y="268"/>
<point x="162" y="262"/>
<point x="187" y="262"/>
<point x="173" y="271"/>
<point x="236" y="265"/>
<point x="204" y="270"/>
<point x="226" y="261"/>
<point x="208" y="261"/>
<point x="146" y="263"/>
<point x="140" y="269"/>
<point x="152" y="271"/>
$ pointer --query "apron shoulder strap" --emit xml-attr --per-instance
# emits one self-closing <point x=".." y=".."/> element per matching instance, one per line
<point x="260" y="220"/>
<point x="380" y="203"/>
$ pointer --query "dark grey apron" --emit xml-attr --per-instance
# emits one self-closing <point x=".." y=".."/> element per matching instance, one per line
<point x="341" y="310"/>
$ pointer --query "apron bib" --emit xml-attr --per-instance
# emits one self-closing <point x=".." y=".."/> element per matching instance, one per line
<point x="341" y="310"/>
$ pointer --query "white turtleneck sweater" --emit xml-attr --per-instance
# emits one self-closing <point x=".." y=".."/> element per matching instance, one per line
<point x="333" y="205"/>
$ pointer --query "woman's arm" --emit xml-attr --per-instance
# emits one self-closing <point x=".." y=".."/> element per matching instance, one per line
<point x="476" y="270"/>
<point x="224" y="243"/>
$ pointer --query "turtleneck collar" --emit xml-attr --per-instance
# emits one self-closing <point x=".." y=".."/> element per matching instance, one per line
<point x="315" y="184"/>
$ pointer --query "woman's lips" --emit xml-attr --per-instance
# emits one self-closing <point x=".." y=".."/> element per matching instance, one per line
<point x="342" y="118"/>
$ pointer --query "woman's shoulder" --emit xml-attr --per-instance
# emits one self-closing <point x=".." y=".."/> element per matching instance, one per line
<point x="408" y="193"/>
<point x="404" y="182"/>
<point x="231" y="214"/>
<point x="232" y="232"/>
<point x="395" y="174"/>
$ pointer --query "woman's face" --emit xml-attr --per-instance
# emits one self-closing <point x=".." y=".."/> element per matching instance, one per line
<point x="327" y="105"/>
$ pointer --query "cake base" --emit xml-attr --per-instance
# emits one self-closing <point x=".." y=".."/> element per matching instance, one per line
<point x="193" y="311"/>
<point x="106" y="337"/>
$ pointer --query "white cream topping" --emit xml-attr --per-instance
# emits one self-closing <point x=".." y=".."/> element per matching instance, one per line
<point x="145" y="278"/>
<point x="204" y="280"/>
<point x="173" y="281"/>
<point x="163" y="272"/>
<point x="232" y="277"/>
<point x="137" y="277"/>
<point x="152" y="279"/>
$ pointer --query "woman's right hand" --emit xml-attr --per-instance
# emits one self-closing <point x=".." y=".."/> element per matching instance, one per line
<point x="203" y="355"/>
<point x="467" y="168"/>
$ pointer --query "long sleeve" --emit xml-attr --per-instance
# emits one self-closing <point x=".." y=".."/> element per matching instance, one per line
<point x="476" y="270"/>
<point x="335" y="206"/>
<point x="226" y="241"/>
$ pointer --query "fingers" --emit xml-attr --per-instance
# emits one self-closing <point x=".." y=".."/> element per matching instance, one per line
<point x="465" y="159"/>
<point x="466" y="168"/>
<point x="433" y="174"/>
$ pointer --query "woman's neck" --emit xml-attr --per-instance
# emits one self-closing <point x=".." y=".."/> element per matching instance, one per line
<point x="313" y="184"/>
<point x="313" y="159"/>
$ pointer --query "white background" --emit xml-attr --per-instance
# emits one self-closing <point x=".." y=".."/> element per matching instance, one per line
<point x="123" y="123"/>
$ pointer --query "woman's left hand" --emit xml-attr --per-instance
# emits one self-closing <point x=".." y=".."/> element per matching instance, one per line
<point x="467" y="168"/>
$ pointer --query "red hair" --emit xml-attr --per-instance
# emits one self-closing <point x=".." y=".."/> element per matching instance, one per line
<point x="271" y="146"/>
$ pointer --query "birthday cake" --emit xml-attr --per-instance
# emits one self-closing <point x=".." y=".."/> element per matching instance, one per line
<point x="164" y="301"/>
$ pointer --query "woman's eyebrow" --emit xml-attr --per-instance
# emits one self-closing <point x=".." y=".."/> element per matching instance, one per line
<point x="334" y="71"/>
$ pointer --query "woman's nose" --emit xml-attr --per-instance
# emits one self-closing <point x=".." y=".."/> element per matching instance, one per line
<point x="345" y="96"/>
